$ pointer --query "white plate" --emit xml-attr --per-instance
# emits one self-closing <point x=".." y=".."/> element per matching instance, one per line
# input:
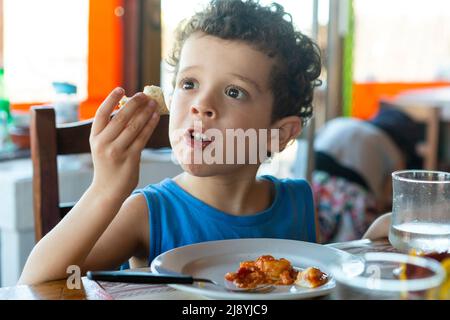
<point x="212" y="260"/>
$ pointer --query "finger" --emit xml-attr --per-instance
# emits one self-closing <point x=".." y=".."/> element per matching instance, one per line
<point x="134" y="127"/>
<point x="119" y="122"/>
<point x="141" y="140"/>
<point x="103" y="113"/>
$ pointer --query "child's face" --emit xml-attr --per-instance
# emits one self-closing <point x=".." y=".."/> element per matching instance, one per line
<point x="221" y="85"/>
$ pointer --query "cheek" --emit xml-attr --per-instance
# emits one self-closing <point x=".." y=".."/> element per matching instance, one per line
<point x="258" y="115"/>
<point x="250" y="121"/>
<point x="178" y="109"/>
<point x="176" y="125"/>
<point x="179" y="102"/>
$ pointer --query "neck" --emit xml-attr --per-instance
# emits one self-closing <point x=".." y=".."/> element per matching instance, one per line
<point x="239" y="193"/>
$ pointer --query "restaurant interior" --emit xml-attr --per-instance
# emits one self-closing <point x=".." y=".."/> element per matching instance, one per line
<point x="385" y="65"/>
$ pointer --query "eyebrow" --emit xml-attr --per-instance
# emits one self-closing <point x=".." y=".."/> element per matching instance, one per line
<point x="240" y="77"/>
<point x="188" y="68"/>
<point x="248" y="80"/>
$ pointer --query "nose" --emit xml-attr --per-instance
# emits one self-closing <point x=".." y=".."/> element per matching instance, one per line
<point x="203" y="106"/>
<point x="203" y="111"/>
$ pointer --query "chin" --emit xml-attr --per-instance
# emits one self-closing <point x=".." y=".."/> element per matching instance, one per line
<point x="200" y="170"/>
<point x="205" y="170"/>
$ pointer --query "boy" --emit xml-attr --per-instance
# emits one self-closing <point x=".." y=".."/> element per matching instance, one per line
<point x="238" y="66"/>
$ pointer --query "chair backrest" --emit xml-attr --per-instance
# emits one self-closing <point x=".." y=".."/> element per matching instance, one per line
<point x="48" y="141"/>
<point x="430" y="117"/>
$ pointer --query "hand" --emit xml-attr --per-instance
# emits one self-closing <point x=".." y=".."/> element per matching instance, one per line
<point x="116" y="143"/>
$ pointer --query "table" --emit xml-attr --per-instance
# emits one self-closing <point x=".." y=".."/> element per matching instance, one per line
<point x="15" y="153"/>
<point x="91" y="290"/>
<point x="438" y="97"/>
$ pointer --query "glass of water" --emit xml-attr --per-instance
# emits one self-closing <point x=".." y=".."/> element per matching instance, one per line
<point x="387" y="275"/>
<point x="420" y="211"/>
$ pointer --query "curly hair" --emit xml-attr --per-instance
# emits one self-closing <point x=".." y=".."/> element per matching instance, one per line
<point x="270" y="30"/>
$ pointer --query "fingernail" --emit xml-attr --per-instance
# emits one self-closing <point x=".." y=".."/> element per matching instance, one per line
<point x="119" y="90"/>
<point x="155" y="115"/>
<point x="151" y="103"/>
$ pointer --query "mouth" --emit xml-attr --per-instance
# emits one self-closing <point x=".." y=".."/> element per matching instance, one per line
<point x="197" y="139"/>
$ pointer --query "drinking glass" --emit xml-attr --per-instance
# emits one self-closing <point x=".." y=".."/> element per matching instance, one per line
<point x="387" y="275"/>
<point x="420" y="211"/>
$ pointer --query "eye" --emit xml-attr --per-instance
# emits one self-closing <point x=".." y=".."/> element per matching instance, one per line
<point x="188" y="84"/>
<point x="235" y="93"/>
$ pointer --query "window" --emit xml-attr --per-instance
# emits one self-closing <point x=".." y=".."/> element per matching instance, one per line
<point x="402" y="41"/>
<point x="1" y="33"/>
<point x="399" y="45"/>
<point x="45" y="41"/>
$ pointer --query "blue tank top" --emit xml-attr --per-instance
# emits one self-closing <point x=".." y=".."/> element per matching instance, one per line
<point x="177" y="218"/>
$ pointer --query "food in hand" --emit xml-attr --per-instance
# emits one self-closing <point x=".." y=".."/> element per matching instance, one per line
<point x="156" y="94"/>
<point x="268" y="270"/>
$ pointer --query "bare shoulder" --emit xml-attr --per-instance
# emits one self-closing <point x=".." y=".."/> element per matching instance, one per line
<point x="136" y="203"/>
<point x="136" y="208"/>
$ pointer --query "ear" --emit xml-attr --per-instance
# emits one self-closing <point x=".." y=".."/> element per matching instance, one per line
<point x="286" y="130"/>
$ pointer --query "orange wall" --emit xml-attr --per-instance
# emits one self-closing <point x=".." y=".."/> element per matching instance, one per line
<point x="105" y="54"/>
<point x="366" y="96"/>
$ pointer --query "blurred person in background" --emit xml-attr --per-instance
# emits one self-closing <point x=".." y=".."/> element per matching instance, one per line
<point x="354" y="160"/>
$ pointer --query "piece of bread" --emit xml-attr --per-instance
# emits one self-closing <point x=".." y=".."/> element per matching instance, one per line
<point x="156" y="94"/>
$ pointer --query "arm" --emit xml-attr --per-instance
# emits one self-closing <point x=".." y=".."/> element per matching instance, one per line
<point x="80" y="238"/>
<point x="379" y="228"/>
<point x="125" y="236"/>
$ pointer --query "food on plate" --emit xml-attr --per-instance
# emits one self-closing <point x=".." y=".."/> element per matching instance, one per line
<point x="311" y="278"/>
<point x="264" y="270"/>
<point x="268" y="270"/>
<point x="155" y="93"/>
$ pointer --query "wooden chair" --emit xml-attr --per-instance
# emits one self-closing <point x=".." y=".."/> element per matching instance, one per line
<point x="48" y="141"/>
<point x="430" y="117"/>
